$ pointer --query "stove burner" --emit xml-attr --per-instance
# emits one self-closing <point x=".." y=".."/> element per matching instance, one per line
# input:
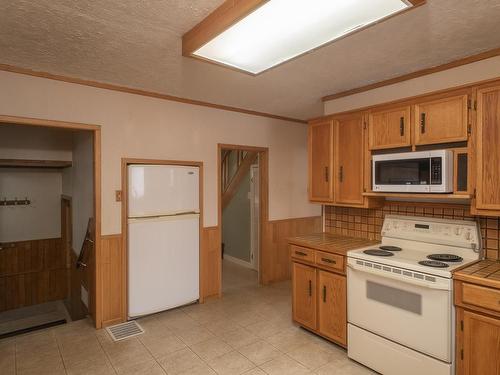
<point x="390" y="248"/>
<point x="378" y="252"/>
<point x="445" y="257"/>
<point x="433" y="263"/>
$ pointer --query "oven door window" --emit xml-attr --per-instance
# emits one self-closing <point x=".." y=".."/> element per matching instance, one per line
<point x="403" y="172"/>
<point x="394" y="297"/>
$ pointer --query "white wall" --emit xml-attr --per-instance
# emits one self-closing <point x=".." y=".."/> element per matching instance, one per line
<point x="462" y="75"/>
<point x="42" y="218"/>
<point x="82" y="189"/>
<point x="143" y="127"/>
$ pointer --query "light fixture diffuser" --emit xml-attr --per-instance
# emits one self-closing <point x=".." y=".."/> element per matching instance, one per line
<point x="280" y="30"/>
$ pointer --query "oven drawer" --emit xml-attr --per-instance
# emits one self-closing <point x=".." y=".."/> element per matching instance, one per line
<point x="481" y="296"/>
<point x="329" y="260"/>
<point x="302" y="253"/>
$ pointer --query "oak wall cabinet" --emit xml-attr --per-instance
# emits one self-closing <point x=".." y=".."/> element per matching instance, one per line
<point x="389" y="128"/>
<point x="487" y="145"/>
<point x="338" y="160"/>
<point x="321" y="161"/>
<point x="441" y="120"/>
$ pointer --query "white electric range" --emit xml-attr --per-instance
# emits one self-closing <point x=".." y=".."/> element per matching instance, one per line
<point x="400" y="294"/>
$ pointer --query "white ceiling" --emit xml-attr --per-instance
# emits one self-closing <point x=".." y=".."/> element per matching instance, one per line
<point x="138" y="44"/>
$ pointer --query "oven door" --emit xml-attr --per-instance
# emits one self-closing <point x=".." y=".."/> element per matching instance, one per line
<point x="402" y="310"/>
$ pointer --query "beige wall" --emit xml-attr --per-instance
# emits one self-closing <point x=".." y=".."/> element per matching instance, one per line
<point x="82" y="186"/>
<point x="42" y="218"/>
<point x="462" y="75"/>
<point x="142" y="127"/>
<point x="29" y="142"/>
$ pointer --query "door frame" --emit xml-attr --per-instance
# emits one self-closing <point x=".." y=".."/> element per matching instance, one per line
<point x="263" y="200"/>
<point x="96" y="288"/>
<point x="124" y="209"/>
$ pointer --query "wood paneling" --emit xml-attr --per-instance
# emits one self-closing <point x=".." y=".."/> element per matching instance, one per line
<point x="304" y="295"/>
<point x="210" y="263"/>
<point x="488" y="150"/>
<point x="332" y="306"/>
<point x="33" y="272"/>
<point x="419" y="73"/>
<point x="389" y="128"/>
<point x="321" y="171"/>
<point x="275" y="253"/>
<point x="112" y="265"/>
<point x="442" y="120"/>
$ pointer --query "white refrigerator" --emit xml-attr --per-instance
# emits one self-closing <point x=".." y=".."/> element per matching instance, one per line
<point x="163" y="237"/>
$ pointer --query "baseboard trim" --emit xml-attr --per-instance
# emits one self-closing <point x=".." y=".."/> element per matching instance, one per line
<point x="238" y="261"/>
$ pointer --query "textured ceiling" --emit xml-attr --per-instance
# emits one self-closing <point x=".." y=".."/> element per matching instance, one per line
<point x="137" y="43"/>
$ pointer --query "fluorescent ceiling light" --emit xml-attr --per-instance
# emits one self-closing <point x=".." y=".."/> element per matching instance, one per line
<point x="282" y="29"/>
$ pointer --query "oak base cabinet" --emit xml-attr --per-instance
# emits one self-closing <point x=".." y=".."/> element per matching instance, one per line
<point x="332" y="311"/>
<point x="319" y="301"/>
<point x="304" y="295"/>
<point x="480" y="344"/>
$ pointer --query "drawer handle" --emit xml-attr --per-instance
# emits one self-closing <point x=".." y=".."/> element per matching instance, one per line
<point x="310" y="288"/>
<point x="300" y="253"/>
<point x="326" y="260"/>
<point x="324" y="293"/>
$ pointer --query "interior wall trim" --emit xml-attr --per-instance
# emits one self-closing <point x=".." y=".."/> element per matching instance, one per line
<point x="135" y="91"/>
<point x="419" y="73"/>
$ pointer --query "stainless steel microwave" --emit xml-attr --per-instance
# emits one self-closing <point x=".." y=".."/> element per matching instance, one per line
<point x="413" y="172"/>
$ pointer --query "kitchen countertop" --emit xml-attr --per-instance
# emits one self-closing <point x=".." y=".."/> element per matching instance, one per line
<point x="331" y="243"/>
<point x="484" y="272"/>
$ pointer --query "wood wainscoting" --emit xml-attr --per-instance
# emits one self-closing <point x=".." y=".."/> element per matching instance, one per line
<point x="210" y="263"/>
<point x="114" y="280"/>
<point x="276" y="264"/>
<point x="33" y="272"/>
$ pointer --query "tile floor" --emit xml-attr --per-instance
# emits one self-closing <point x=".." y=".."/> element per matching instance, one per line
<point x="249" y="331"/>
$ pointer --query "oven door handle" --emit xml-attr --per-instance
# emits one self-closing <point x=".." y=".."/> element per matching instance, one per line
<point x="398" y="278"/>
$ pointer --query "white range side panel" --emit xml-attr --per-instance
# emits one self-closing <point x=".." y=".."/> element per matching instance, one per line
<point x="156" y="190"/>
<point x="163" y="263"/>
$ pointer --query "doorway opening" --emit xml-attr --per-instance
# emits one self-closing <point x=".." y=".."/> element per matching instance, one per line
<point x="241" y="212"/>
<point x="47" y="229"/>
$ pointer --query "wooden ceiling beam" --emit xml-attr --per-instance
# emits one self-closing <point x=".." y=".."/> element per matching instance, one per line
<point x="222" y="18"/>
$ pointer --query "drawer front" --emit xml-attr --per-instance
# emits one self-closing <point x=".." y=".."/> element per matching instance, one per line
<point x="302" y="253"/>
<point x="481" y="296"/>
<point x="332" y="261"/>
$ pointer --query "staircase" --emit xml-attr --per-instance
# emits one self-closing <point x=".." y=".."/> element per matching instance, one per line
<point x="235" y="165"/>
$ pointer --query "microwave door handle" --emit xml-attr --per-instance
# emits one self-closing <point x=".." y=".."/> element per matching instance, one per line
<point x="394" y="277"/>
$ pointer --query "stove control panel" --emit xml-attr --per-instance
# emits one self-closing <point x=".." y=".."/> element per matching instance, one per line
<point x="461" y="233"/>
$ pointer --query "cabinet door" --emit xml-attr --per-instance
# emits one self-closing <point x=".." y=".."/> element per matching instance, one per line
<point x="481" y="344"/>
<point x="488" y="149"/>
<point x="349" y="145"/>
<point x="332" y="306"/>
<point x="389" y="128"/>
<point x="441" y="121"/>
<point x="321" y="161"/>
<point x="304" y="295"/>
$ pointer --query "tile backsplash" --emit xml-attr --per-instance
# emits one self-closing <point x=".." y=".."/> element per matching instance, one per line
<point x="367" y="222"/>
